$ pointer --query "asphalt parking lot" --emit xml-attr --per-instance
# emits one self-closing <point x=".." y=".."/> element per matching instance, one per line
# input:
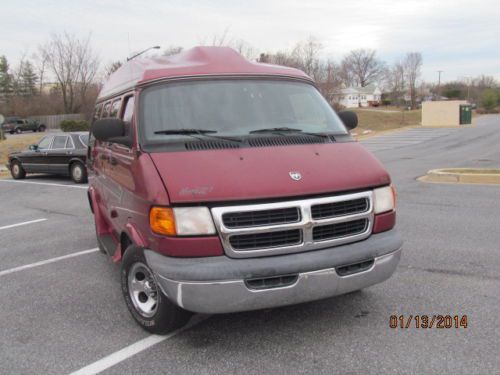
<point x="62" y="309"/>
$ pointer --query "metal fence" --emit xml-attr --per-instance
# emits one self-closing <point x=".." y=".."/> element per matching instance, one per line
<point x="54" y="121"/>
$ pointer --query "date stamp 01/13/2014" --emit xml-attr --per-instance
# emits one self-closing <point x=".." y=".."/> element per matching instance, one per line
<point x="428" y="321"/>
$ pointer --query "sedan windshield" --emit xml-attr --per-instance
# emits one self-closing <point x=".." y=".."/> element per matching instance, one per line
<point x="234" y="108"/>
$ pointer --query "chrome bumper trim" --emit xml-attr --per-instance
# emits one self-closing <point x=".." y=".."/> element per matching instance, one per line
<point x="227" y="296"/>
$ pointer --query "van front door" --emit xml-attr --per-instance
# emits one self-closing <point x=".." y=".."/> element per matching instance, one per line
<point x="120" y="178"/>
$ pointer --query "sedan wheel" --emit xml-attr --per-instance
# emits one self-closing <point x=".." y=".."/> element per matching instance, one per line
<point x="19" y="131"/>
<point x="78" y="173"/>
<point x="17" y="171"/>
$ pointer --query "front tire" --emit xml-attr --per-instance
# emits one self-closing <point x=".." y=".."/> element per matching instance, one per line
<point x="78" y="173"/>
<point x="17" y="171"/>
<point x="19" y="131"/>
<point x="150" y="308"/>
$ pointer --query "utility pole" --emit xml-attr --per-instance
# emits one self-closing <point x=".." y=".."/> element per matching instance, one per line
<point x="439" y="83"/>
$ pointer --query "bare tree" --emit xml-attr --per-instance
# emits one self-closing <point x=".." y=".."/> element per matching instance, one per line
<point x="485" y="82"/>
<point x="172" y="50"/>
<point x="243" y="48"/>
<point x="306" y="55"/>
<point x="362" y="67"/>
<point x="218" y="40"/>
<point x="40" y="61"/>
<point x="395" y="82"/>
<point x="113" y="67"/>
<point x="412" y="66"/>
<point x="74" y="66"/>
<point x="328" y="79"/>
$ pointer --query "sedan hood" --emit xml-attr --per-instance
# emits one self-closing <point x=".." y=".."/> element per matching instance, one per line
<point x="268" y="172"/>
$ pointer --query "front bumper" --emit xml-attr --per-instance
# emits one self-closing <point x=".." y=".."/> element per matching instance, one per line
<point x="215" y="285"/>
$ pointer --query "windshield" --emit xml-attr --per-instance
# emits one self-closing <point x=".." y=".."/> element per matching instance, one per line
<point x="234" y="108"/>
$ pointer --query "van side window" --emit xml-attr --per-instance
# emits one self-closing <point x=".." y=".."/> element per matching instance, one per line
<point x="105" y="112"/>
<point x="97" y="112"/>
<point x="115" y="108"/>
<point x="128" y="112"/>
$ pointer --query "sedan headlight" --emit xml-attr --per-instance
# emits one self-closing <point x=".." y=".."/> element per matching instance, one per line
<point x="181" y="221"/>
<point x="384" y="199"/>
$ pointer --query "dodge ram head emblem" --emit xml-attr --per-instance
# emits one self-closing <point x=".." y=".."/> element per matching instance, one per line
<point x="295" y="175"/>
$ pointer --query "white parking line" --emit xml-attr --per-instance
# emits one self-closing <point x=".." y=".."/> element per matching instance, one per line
<point x="133" y="349"/>
<point x="46" y="183"/>
<point x="44" y="262"/>
<point x="23" y="223"/>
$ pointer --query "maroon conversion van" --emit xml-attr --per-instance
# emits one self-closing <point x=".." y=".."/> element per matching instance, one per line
<point x="224" y="185"/>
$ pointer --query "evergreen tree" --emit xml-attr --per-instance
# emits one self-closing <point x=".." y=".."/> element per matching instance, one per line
<point x="5" y="77"/>
<point x="28" y="79"/>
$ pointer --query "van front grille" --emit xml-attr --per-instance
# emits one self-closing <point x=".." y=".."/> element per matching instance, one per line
<point x="322" y="211"/>
<point x="284" y="227"/>
<point x="257" y="218"/>
<point x="348" y="228"/>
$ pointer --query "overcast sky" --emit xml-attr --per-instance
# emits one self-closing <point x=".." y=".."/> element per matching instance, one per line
<point x="462" y="38"/>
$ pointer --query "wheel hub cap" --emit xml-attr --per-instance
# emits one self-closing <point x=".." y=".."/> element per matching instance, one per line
<point x="77" y="173"/>
<point x="142" y="290"/>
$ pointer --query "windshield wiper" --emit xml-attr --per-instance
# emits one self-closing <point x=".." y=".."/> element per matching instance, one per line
<point x="288" y="130"/>
<point x="200" y="132"/>
<point x="275" y="130"/>
<point x="185" y="131"/>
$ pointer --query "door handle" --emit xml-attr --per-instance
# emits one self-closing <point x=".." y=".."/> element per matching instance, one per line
<point x="113" y="161"/>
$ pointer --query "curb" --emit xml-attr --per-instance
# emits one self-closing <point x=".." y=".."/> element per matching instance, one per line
<point x="463" y="176"/>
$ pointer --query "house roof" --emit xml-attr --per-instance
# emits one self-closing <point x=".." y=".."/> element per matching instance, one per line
<point x="370" y="89"/>
<point x="198" y="61"/>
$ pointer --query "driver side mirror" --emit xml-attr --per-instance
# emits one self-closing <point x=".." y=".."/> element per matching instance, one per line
<point x="350" y="119"/>
<point x="111" y="130"/>
<point x="33" y="147"/>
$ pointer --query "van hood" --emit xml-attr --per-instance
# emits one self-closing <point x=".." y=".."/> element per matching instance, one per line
<point x="260" y="173"/>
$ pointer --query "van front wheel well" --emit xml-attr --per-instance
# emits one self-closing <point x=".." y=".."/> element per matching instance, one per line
<point x="125" y="242"/>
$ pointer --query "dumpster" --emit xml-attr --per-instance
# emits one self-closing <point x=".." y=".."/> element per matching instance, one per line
<point x="465" y="114"/>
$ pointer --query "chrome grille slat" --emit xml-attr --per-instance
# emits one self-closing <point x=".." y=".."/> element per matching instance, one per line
<point x="346" y="228"/>
<point x="266" y="240"/>
<point x="321" y="211"/>
<point x="308" y="221"/>
<point x="258" y="218"/>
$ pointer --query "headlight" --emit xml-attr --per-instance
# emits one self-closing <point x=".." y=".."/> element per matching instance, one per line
<point x="384" y="199"/>
<point x="181" y="221"/>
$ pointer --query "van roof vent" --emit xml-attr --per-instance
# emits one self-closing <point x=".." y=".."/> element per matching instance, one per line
<point x="284" y="141"/>
<point x="210" y="145"/>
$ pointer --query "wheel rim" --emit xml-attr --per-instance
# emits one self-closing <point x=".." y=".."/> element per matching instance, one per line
<point x="77" y="173"/>
<point x="15" y="169"/>
<point x="142" y="290"/>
